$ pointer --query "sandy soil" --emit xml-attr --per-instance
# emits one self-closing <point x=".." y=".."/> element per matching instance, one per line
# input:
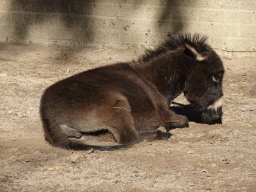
<point x="203" y="157"/>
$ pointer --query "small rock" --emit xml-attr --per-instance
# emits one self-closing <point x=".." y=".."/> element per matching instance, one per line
<point x="227" y="161"/>
<point x="3" y="75"/>
<point x="75" y="157"/>
<point x="90" y="151"/>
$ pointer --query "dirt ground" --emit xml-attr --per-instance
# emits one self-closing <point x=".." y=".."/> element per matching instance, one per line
<point x="219" y="157"/>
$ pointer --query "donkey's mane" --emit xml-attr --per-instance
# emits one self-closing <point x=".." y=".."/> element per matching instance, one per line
<point x="174" y="43"/>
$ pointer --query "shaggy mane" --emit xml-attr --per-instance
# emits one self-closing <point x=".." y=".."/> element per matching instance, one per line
<point x="173" y="43"/>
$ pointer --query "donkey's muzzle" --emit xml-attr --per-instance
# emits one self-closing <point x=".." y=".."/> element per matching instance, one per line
<point x="213" y="113"/>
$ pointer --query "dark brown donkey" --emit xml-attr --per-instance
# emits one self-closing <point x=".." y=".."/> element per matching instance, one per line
<point x="131" y="100"/>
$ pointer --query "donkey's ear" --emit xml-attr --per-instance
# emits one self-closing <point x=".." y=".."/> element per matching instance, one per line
<point x="197" y="55"/>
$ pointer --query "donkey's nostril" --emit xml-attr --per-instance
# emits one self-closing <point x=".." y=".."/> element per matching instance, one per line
<point x="213" y="113"/>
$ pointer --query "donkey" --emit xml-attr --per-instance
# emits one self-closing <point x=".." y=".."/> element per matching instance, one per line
<point x="131" y="100"/>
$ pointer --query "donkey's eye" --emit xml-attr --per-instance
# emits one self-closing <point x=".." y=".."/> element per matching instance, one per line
<point x="216" y="78"/>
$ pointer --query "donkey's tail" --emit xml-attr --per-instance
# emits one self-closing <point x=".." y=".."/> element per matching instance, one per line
<point x="76" y="145"/>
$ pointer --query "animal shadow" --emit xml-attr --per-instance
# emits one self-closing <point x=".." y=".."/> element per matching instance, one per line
<point x="190" y="112"/>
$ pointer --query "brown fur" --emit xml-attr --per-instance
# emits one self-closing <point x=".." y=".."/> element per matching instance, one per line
<point x="130" y="100"/>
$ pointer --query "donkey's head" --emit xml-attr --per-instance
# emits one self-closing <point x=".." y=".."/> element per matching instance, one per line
<point x="203" y="79"/>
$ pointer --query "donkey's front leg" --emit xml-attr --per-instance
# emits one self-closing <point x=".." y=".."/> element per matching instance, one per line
<point x="176" y="121"/>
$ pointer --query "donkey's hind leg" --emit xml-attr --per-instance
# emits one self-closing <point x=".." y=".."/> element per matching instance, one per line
<point x="124" y="129"/>
<point x="70" y="132"/>
<point x="121" y="123"/>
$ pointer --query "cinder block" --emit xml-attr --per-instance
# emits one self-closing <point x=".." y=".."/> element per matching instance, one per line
<point x="29" y="19"/>
<point x="173" y="3"/>
<point x="32" y="6"/>
<point x="81" y="8"/>
<point x="50" y="7"/>
<point x="128" y="2"/>
<point x="226" y="30"/>
<point x="143" y="2"/>
<point x="154" y="40"/>
<point x="22" y="19"/>
<point x="110" y="36"/>
<point x="3" y="37"/>
<point x="239" y="17"/>
<point x="97" y="37"/>
<point x="20" y="31"/>
<point x="133" y="11"/>
<point x="5" y="18"/>
<point x="69" y="43"/>
<point x="218" y="30"/>
<point x="4" y="32"/>
<point x="47" y="19"/>
<point x="112" y="1"/>
<point x="254" y="18"/>
<point x="49" y="42"/>
<point x="83" y="22"/>
<point x="190" y="14"/>
<point x="129" y="25"/>
<point x="73" y="21"/>
<point x="8" y="5"/>
<point x="203" y="28"/>
<point x="83" y="36"/>
<point x="241" y="44"/>
<point x="107" y="10"/>
<point x="217" y="43"/>
<point x="227" y="4"/>
<point x="248" y="31"/>
<point x="18" y="19"/>
<point x="36" y="32"/>
<point x="212" y="15"/>
<point x="63" y="33"/>
<point x="172" y="27"/>
<point x="97" y="23"/>
<point x="248" y="5"/>
<point x="7" y="30"/>
<point x="155" y="12"/>
<point x="56" y="6"/>
<point x="132" y="38"/>
<point x="48" y="32"/>
<point x="172" y="14"/>
<point x="62" y="7"/>
<point x="200" y="4"/>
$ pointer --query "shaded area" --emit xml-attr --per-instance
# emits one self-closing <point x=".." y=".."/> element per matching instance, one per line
<point x="190" y="113"/>
<point x="52" y="12"/>
<point x="172" y="13"/>
<point x="74" y="18"/>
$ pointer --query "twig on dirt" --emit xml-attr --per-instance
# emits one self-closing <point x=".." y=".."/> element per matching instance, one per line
<point x="99" y="50"/>
<point x="122" y="108"/>
<point x="237" y="94"/>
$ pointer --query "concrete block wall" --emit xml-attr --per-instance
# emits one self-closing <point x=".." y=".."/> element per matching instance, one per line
<point x="229" y="24"/>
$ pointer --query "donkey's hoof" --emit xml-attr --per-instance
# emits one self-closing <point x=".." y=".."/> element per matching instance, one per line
<point x="163" y="135"/>
<point x="180" y="122"/>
